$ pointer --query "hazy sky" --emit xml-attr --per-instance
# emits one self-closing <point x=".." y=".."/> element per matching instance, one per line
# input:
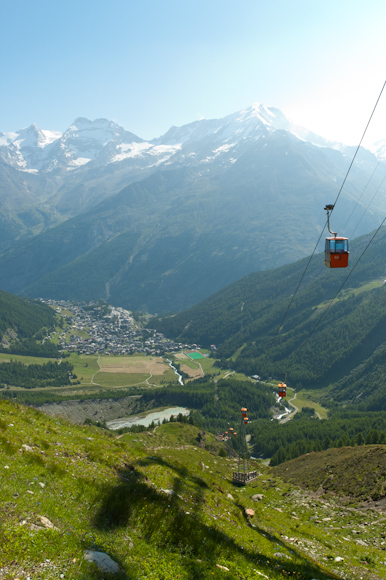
<point x="150" y="64"/>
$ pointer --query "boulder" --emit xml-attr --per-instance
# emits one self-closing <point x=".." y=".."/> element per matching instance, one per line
<point x="102" y="561"/>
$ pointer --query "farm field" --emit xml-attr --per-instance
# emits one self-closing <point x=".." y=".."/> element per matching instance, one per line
<point x="133" y="370"/>
<point x="95" y="372"/>
<point x="188" y="365"/>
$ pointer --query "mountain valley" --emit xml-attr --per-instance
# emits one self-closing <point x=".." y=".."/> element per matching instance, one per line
<point x="158" y="226"/>
<point x="213" y="223"/>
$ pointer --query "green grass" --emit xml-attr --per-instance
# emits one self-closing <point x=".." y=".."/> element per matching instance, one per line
<point x="358" y="472"/>
<point x="347" y="293"/>
<point x="108" y="494"/>
<point x="364" y="288"/>
<point x="208" y="365"/>
<point x="305" y="399"/>
<point x="189" y="363"/>
<point x="237" y="352"/>
<point x="26" y="360"/>
<point x="122" y="379"/>
<point x="85" y="366"/>
<point x="195" y="355"/>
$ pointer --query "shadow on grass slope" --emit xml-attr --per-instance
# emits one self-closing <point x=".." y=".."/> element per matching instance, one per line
<point x="160" y="518"/>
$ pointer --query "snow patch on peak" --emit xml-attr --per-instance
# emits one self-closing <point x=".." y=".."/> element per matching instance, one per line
<point x="7" y="139"/>
<point x="132" y="150"/>
<point x="75" y="163"/>
<point x="379" y="149"/>
<point x="50" y="137"/>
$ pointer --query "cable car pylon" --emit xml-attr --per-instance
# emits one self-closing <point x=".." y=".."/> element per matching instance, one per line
<point x="243" y="475"/>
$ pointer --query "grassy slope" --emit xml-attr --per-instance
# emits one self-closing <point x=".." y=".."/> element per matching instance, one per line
<point x="359" y="472"/>
<point x="105" y="493"/>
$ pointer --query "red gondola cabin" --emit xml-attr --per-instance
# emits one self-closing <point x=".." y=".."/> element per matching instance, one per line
<point x="282" y="390"/>
<point x="336" y="252"/>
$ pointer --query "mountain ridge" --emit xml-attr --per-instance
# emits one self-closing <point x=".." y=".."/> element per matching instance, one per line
<point x="205" y="205"/>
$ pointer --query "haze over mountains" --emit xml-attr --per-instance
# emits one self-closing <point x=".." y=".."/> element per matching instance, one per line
<point x="99" y="213"/>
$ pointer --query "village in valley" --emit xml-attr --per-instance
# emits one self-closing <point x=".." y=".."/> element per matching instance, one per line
<point x="95" y="328"/>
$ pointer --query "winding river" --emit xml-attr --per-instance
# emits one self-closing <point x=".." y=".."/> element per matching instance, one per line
<point x="176" y="372"/>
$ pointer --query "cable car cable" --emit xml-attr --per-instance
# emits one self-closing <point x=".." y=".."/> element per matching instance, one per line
<point x="294" y="294"/>
<point x="337" y="197"/>
<point x="371" y="201"/>
<point x="360" y="143"/>
<point x="360" y="197"/>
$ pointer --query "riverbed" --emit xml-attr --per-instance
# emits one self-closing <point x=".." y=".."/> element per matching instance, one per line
<point x="148" y="419"/>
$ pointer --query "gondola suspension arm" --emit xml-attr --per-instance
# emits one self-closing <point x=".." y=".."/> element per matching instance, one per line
<point x="329" y="209"/>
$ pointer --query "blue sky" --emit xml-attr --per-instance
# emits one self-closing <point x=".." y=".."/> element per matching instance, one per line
<point x="150" y="64"/>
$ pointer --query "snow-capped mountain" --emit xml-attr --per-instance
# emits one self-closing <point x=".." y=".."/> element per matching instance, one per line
<point x="248" y="124"/>
<point x="198" y="204"/>
<point x="36" y="150"/>
<point x="103" y="142"/>
<point x="28" y="148"/>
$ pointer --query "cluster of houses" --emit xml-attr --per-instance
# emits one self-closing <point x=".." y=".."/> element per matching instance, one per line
<point x="96" y="328"/>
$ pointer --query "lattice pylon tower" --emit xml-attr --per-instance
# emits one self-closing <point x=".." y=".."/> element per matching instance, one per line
<point x="243" y="453"/>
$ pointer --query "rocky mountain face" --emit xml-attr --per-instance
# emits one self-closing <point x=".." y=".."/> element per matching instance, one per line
<point x="97" y="212"/>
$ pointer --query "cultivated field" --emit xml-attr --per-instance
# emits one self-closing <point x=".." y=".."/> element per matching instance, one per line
<point x="193" y="373"/>
<point x="127" y="371"/>
<point x="101" y="371"/>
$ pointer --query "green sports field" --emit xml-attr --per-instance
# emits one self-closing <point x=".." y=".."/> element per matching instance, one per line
<point x="195" y="355"/>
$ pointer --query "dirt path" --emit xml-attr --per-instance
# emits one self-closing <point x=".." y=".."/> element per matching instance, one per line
<point x="149" y="377"/>
<point x="92" y="378"/>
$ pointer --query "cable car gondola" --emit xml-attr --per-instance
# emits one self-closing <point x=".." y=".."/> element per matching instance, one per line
<point x="282" y="388"/>
<point x="336" y="249"/>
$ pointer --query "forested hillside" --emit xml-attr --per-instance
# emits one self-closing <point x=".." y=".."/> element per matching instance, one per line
<point x="24" y="317"/>
<point x="319" y="343"/>
<point x="307" y="434"/>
